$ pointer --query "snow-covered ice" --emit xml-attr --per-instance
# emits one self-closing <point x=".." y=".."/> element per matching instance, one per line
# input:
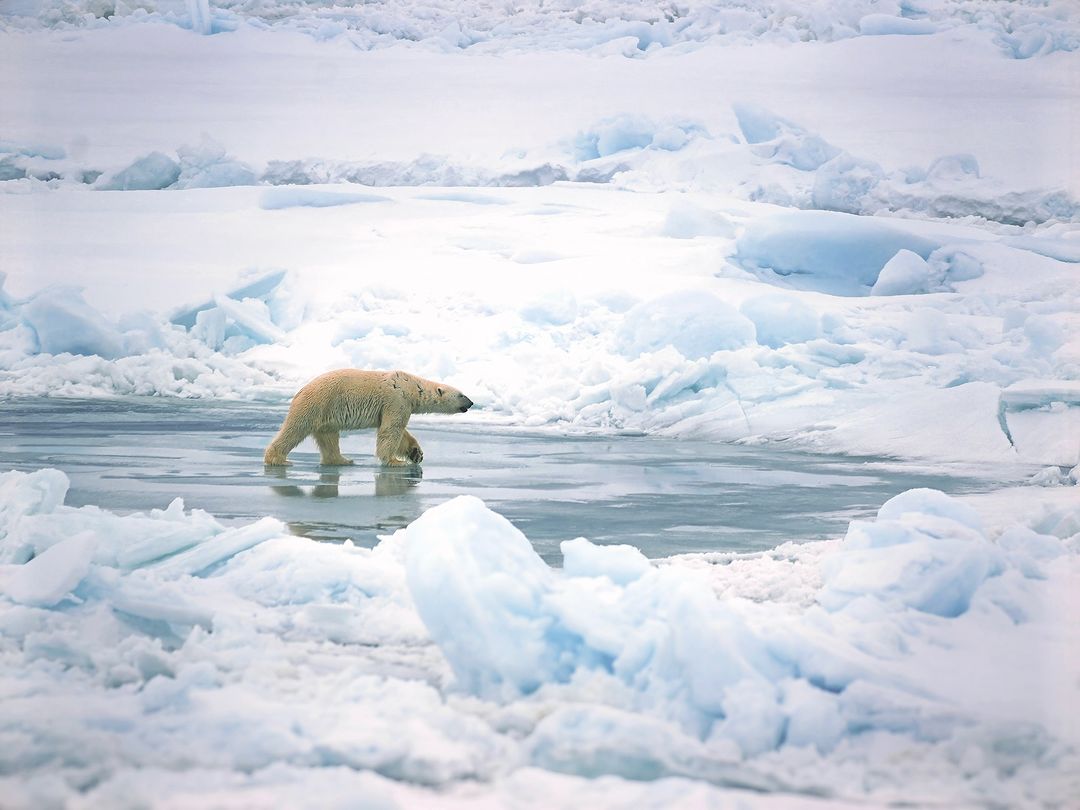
<point x="927" y="657"/>
<point x="567" y="306"/>
<point x="847" y="227"/>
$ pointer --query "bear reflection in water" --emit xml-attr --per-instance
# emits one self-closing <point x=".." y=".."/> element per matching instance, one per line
<point x="397" y="482"/>
<point x="387" y="483"/>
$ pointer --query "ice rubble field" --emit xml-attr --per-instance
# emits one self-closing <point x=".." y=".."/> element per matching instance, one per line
<point x="162" y="659"/>
<point x="846" y="226"/>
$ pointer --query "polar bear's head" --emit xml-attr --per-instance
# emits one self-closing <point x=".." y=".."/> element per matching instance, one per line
<point x="447" y="399"/>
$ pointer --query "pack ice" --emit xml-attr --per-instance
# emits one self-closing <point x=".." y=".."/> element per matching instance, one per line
<point x="849" y="227"/>
<point x="923" y="656"/>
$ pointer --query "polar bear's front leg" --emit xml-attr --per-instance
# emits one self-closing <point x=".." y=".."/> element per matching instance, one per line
<point x="390" y="436"/>
<point x="329" y="450"/>
<point x="410" y="448"/>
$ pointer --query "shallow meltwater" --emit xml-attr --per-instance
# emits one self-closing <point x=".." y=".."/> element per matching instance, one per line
<point x="665" y="496"/>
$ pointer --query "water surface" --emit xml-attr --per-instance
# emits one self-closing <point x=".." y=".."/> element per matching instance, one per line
<point x="665" y="496"/>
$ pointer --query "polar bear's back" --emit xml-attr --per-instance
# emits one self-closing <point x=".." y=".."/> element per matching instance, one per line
<point x="346" y="399"/>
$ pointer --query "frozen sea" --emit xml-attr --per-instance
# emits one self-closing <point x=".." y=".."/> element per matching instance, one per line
<point x="771" y="318"/>
<point x="664" y="496"/>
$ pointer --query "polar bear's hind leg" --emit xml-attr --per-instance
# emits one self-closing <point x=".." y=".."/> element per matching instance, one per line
<point x="329" y="449"/>
<point x="291" y="434"/>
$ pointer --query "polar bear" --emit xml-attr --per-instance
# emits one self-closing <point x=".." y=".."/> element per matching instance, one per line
<point x="351" y="399"/>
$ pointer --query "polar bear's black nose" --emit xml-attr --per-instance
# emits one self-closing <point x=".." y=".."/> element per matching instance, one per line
<point x="466" y="403"/>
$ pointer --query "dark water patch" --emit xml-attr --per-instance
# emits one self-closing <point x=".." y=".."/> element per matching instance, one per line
<point x="665" y="496"/>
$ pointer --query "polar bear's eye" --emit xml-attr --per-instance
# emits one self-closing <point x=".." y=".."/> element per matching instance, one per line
<point x="440" y="391"/>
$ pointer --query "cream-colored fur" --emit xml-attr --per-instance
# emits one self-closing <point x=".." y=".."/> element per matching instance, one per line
<point x="353" y="399"/>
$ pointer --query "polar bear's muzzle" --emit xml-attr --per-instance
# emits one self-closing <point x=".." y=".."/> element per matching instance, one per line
<point x="466" y="403"/>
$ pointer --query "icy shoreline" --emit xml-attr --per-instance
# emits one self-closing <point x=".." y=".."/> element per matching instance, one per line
<point x="923" y="658"/>
<point x="680" y="314"/>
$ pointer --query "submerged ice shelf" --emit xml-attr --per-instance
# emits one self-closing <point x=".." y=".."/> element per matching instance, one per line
<point x="662" y="495"/>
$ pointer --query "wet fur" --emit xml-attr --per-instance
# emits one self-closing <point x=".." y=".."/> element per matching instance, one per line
<point x="355" y="399"/>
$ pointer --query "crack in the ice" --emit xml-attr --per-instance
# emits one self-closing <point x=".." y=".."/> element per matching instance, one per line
<point x="1003" y="422"/>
